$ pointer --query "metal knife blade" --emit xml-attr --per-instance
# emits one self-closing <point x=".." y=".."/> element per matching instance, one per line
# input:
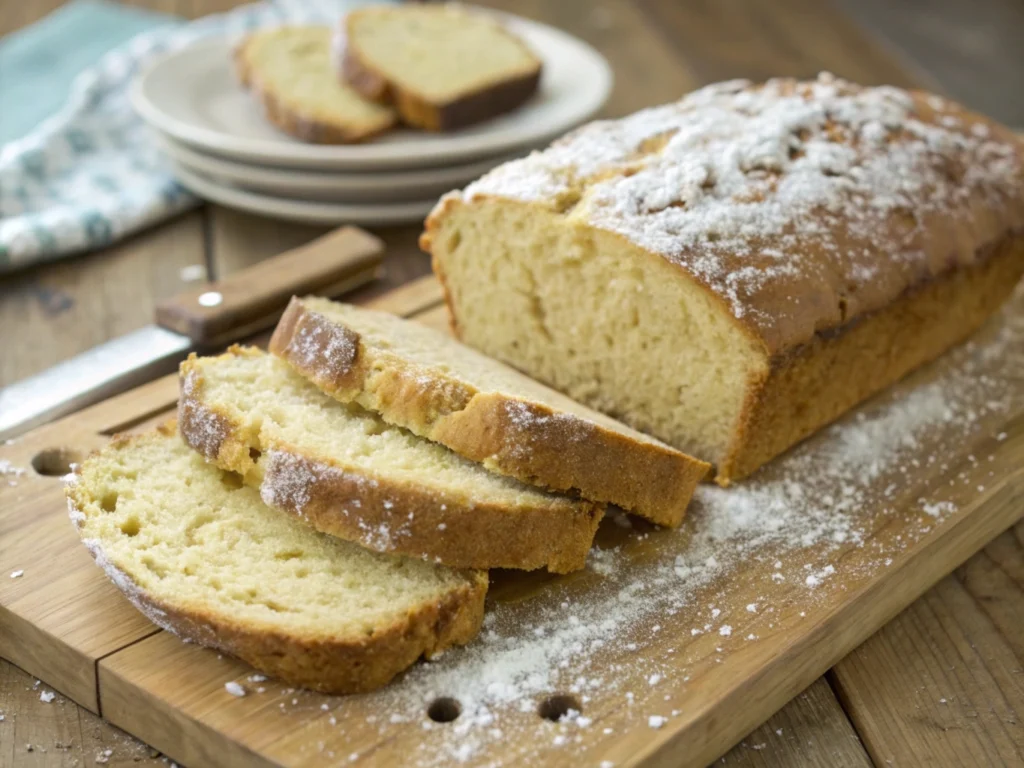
<point x="207" y="318"/>
<point x="100" y="372"/>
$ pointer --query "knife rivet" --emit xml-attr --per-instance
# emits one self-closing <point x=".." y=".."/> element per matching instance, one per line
<point x="210" y="299"/>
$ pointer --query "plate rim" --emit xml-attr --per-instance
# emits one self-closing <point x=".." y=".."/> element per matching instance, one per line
<point x="308" y="211"/>
<point x="241" y="173"/>
<point x="367" y="156"/>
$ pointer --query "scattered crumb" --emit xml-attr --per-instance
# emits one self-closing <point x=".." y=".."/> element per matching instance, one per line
<point x="17" y="574"/>
<point x="191" y="273"/>
<point x="47" y="696"/>
<point x="752" y="608"/>
<point x="656" y="721"/>
<point x="234" y="689"/>
<point x="725" y="630"/>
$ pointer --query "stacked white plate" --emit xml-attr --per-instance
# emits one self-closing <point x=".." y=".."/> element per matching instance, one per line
<point x="223" y="149"/>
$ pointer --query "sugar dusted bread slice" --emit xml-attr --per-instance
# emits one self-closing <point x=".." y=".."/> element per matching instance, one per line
<point x="732" y="271"/>
<point x="347" y="472"/>
<point x="289" y="69"/>
<point x="442" y="67"/>
<point x="200" y="554"/>
<point x="432" y="385"/>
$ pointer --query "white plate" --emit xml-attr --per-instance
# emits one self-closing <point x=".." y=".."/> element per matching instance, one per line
<point x="336" y="186"/>
<point x="304" y="211"/>
<point x="194" y="96"/>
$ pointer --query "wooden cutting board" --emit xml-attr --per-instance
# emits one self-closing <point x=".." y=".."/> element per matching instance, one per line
<point x="671" y="645"/>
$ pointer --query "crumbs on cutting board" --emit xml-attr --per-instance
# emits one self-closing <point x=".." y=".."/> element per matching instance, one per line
<point x="10" y="472"/>
<point x="594" y="658"/>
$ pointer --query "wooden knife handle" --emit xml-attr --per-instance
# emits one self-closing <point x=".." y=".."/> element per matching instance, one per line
<point x="253" y="299"/>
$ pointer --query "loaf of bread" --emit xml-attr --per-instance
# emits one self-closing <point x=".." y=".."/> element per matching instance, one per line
<point x="289" y="70"/>
<point x="198" y="552"/>
<point x="442" y="67"/>
<point x="438" y="388"/>
<point x="348" y="473"/>
<point x="732" y="271"/>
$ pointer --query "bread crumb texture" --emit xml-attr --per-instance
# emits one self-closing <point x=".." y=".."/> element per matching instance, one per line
<point x="198" y="552"/>
<point x="346" y="471"/>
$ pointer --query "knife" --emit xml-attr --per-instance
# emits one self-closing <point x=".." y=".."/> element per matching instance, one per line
<point x="203" y="319"/>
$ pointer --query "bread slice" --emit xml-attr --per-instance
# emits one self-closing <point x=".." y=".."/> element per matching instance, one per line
<point x="200" y="554"/>
<point x="289" y="69"/>
<point x="442" y="67"/>
<point x="438" y="388"/>
<point x="347" y="472"/>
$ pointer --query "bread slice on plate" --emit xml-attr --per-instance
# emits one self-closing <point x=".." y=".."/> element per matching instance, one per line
<point x="429" y="383"/>
<point x="347" y="472"/>
<point x="442" y="67"/>
<point x="290" y="71"/>
<point x="198" y="552"/>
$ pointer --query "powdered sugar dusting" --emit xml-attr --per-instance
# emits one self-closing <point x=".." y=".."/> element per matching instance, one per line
<point x="814" y="192"/>
<point x="322" y="347"/>
<point x="809" y="525"/>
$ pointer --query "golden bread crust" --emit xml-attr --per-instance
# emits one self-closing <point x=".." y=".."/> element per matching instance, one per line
<point x="889" y="190"/>
<point x="903" y="234"/>
<point x="383" y="513"/>
<point x="288" y="120"/>
<point x="524" y="439"/>
<point x="417" y="110"/>
<point x="815" y="384"/>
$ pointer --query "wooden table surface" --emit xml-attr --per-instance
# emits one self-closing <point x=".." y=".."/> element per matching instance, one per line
<point x="943" y="683"/>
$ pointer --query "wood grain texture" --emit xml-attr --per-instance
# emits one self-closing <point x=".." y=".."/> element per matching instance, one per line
<point x="720" y="685"/>
<point x="65" y="308"/>
<point x="35" y="732"/>
<point x="972" y="50"/>
<point x="252" y="299"/>
<point x="938" y="680"/>
<point x="799" y="38"/>
<point x="811" y="730"/>
<point x="239" y="240"/>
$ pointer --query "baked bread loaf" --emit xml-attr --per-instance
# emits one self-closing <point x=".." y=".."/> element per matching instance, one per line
<point x="289" y="69"/>
<point x="348" y="473"/>
<point x="733" y="271"/>
<point x="442" y="67"/>
<point x="429" y="383"/>
<point x="200" y="554"/>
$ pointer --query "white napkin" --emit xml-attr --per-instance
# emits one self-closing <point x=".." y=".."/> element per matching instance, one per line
<point x="92" y="174"/>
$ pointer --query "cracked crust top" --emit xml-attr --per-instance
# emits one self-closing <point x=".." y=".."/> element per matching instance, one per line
<point x="800" y="205"/>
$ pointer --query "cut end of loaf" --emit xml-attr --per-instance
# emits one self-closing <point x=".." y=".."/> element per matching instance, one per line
<point x="588" y="313"/>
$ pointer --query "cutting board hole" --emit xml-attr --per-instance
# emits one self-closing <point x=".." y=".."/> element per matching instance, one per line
<point x="55" y="462"/>
<point x="555" y="707"/>
<point x="444" y="709"/>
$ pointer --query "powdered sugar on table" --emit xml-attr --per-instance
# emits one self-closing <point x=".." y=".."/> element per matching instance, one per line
<point x="808" y="526"/>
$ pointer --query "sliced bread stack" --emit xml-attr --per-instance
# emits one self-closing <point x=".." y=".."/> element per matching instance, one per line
<point x="437" y="68"/>
<point x="342" y="496"/>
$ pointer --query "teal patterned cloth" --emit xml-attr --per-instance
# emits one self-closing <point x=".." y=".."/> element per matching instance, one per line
<point x="91" y="173"/>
